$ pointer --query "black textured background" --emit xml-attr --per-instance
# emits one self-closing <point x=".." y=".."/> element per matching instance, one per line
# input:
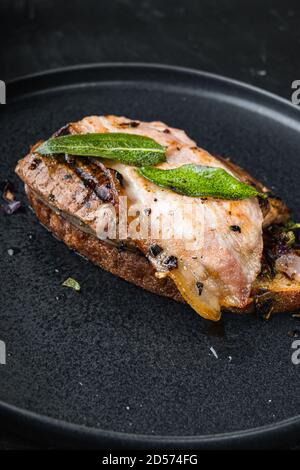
<point x="254" y="41"/>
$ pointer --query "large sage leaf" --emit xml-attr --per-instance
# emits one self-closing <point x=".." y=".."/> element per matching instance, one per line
<point x="130" y="149"/>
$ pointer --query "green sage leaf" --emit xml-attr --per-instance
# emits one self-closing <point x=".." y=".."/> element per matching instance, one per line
<point x="72" y="283"/>
<point x="130" y="149"/>
<point x="200" y="181"/>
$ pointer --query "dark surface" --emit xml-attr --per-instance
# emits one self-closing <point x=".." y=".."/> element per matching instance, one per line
<point x="254" y="41"/>
<point x="251" y="40"/>
<point x="115" y="357"/>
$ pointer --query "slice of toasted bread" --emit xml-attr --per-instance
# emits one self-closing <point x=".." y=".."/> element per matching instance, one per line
<point x="269" y="295"/>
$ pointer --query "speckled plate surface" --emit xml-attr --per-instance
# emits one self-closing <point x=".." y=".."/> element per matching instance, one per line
<point x="115" y="365"/>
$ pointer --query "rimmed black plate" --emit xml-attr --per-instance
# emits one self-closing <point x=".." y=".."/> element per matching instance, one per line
<point x="115" y="365"/>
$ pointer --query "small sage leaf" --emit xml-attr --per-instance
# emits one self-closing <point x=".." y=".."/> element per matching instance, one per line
<point x="200" y="181"/>
<point x="72" y="283"/>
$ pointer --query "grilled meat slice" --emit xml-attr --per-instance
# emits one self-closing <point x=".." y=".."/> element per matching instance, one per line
<point x="227" y="263"/>
<point x="72" y="185"/>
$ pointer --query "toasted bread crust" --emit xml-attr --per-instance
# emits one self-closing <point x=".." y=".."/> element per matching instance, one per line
<point x="268" y="296"/>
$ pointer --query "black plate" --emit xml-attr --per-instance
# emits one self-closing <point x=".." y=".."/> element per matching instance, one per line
<point x="115" y="365"/>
